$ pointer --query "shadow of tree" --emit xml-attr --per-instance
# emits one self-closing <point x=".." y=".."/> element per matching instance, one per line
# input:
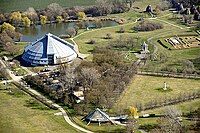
<point x="34" y="104"/>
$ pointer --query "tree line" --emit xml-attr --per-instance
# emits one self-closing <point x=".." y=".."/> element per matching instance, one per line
<point x="102" y="80"/>
<point x="55" y="12"/>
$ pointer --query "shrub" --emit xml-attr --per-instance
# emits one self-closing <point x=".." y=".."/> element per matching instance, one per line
<point x="148" y="26"/>
<point x="71" y="32"/>
<point x="108" y="36"/>
<point x="91" y="41"/>
<point x="121" y="30"/>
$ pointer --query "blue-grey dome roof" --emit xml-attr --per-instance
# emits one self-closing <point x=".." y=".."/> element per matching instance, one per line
<point x="50" y="49"/>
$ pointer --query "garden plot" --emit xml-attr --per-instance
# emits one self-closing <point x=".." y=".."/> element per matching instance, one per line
<point x="184" y="42"/>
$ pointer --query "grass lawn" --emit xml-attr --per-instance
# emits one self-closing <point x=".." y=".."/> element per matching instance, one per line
<point x="6" y="6"/>
<point x="105" y="127"/>
<point x="20" y="113"/>
<point x="146" y="88"/>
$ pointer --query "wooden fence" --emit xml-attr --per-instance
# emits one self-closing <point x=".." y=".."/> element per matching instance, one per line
<point x="168" y="74"/>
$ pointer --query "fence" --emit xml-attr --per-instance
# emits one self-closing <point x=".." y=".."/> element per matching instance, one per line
<point x="168" y="74"/>
<point x="168" y="101"/>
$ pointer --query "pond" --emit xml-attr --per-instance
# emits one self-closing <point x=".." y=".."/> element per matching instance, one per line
<point x="37" y="31"/>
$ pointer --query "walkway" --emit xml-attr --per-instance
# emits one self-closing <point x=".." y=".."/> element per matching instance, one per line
<point x="66" y="117"/>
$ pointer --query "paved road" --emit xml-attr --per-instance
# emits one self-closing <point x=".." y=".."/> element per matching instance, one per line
<point x="6" y="81"/>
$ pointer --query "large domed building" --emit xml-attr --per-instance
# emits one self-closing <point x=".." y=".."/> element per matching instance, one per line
<point x="49" y="50"/>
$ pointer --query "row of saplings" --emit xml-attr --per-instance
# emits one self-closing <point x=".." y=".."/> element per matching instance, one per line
<point x="182" y="97"/>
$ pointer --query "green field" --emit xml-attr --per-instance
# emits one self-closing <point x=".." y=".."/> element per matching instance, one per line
<point x="143" y="89"/>
<point x="11" y="5"/>
<point x="21" y="113"/>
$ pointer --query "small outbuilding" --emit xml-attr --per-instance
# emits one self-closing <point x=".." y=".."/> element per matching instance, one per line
<point x="97" y="116"/>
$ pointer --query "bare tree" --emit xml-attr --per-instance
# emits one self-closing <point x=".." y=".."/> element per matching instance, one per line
<point x="31" y="14"/>
<point x="53" y="10"/>
<point x="171" y="122"/>
<point x="68" y="77"/>
<point x="104" y="6"/>
<point x="131" y="125"/>
<point x="188" y="67"/>
<point x="89" y="76"/>
<point x="130" y="2"/>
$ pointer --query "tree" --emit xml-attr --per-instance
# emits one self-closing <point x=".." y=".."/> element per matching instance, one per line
<point x="188" y="67"/>
<point x="133" y="112"/>
<point x="130" y="2"/>
<point x="81" y="15"/>
<point x="53" y="10"/>
<point x="88" y="76"/>
<point x="43" y="19"/>
<point x="31" y="14"/>
<point x="59" y="19"/>
<point x="2" y="18"/>
<point x="26" y="21"/>
<point x="64" y="15"/>
<point x="171" y="121"/>
<point x="71" y="31"/>
<point x="104" y="7"/>
<point x="15" y="18"/>
<point x="4" y="38"/>
<point x="68" y="79"/>
<point x="7" y="26"/>
<point x="131" y="126"/>
<point x="11" y="48"/>
<point x="164" y="5"/>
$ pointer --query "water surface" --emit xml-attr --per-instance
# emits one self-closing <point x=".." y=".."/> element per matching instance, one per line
<point x="35" y="32"/>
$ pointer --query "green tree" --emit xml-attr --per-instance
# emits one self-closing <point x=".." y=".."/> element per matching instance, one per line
<point x="81" y="15"/>
<point x="26" y="21"/>
<point x="15" y="17"/>
<point x="59" y="19"/>
<point x="7" y="26"/>
<point x="43" y="19"/>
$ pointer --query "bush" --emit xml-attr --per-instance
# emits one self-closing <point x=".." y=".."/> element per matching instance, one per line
<point x="108" y="36"/>
<point x="148" y="26"/>
<point x="71" y="32"/>
<point x="121" y="30"/>
<point x="91" y="41"/>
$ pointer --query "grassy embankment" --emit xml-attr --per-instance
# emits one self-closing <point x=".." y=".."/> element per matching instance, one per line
<point x="21" y="113"/>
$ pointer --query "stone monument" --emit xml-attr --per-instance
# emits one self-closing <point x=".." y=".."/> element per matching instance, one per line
<point x="165" y="86"/>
